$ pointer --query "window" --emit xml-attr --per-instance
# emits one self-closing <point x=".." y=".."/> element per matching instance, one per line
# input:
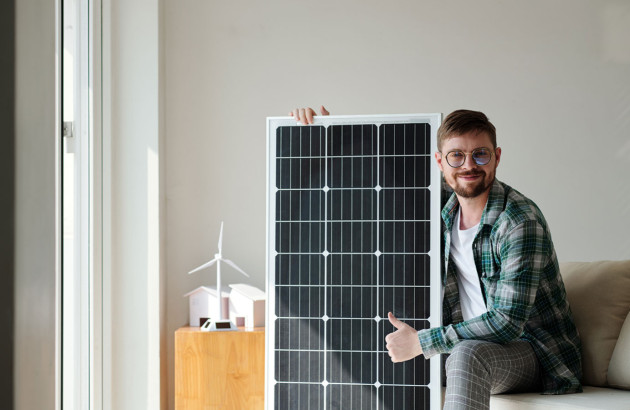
<point x="81" y="323"/>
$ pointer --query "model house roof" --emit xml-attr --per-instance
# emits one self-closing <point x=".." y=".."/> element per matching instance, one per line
<point x="210" y="290"/>
<point x="249" y="291"/>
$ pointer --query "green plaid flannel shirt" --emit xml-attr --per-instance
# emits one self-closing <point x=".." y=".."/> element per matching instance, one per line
<point x="521" y="284"/>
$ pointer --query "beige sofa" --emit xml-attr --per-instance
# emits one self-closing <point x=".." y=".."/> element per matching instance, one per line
<point x="599" y="294"/>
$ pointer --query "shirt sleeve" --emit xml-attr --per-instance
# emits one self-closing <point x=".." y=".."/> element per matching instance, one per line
<point x="523" y="253"/>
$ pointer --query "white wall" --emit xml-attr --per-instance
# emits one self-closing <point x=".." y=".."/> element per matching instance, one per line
<point x="552" y="76"/>
<point x="36" y="212"/>
<point x="132" y="281"/>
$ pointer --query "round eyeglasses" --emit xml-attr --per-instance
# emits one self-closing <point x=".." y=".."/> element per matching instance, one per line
<point x="481" y="156"/>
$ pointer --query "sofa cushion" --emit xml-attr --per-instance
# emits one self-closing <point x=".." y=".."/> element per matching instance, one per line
<point x="593" y="398"/>
<point x="599" y="295"/>
<point x="619" y="369"/>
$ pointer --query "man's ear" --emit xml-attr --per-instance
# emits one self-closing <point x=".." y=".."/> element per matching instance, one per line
<point x="497" y="154"/>
<point x="438" y="159"/>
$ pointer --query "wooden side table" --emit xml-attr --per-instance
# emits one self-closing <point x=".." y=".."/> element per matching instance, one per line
<point x="219" y="370"/>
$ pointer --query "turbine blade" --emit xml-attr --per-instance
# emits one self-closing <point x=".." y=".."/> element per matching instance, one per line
<point x="232" y="264"/>
<point x="221" y="238"/>
<point x="205" y="265"/>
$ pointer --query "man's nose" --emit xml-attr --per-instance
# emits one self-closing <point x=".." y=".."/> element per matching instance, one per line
<point x="469" y="162"/>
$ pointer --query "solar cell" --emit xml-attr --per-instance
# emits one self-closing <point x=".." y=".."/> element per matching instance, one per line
<point x="353" y="233"/>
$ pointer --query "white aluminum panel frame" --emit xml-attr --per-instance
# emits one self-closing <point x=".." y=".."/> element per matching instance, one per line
<point x="435" y="253"/>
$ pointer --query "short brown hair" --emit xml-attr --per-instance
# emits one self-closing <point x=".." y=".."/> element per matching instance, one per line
<point x="464" y="121"/>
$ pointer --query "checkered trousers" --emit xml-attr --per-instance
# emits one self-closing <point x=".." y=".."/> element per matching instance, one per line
<point x="476" y="369"/>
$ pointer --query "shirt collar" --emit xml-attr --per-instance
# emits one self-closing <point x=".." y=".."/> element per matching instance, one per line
<point x="495" y="204"/>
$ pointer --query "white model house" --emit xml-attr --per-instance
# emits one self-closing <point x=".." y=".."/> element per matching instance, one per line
<point x="247" y="306"/>
<point x="203" y="304"/>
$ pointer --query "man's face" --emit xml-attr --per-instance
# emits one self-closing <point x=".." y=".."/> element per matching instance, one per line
<point x="469" y="180"/>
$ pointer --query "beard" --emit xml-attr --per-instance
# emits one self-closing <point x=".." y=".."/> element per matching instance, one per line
<point x="471" y="191"/>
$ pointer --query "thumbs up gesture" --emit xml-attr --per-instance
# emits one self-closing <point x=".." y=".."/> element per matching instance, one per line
<point x="403" y="344"/>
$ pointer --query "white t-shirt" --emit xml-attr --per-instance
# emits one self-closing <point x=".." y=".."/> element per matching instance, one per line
<point x="470" y="297"/>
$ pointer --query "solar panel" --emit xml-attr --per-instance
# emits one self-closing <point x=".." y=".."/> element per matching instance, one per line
<point x="353" y="233"/>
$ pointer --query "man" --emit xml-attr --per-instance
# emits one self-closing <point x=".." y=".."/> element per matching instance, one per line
<point x="506" y="321"/>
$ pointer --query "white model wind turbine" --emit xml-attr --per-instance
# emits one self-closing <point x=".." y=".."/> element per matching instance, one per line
<point x="219" y="323"/>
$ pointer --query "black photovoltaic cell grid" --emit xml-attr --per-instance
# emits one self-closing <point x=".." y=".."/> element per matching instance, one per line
<point x="352" y="242"/>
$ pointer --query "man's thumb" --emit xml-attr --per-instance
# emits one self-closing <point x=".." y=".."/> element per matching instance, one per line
<point x="395" y="322"/>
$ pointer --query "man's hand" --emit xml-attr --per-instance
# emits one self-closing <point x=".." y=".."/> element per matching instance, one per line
<point x="305" y="115"/>
<point x="403" y="344"/>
